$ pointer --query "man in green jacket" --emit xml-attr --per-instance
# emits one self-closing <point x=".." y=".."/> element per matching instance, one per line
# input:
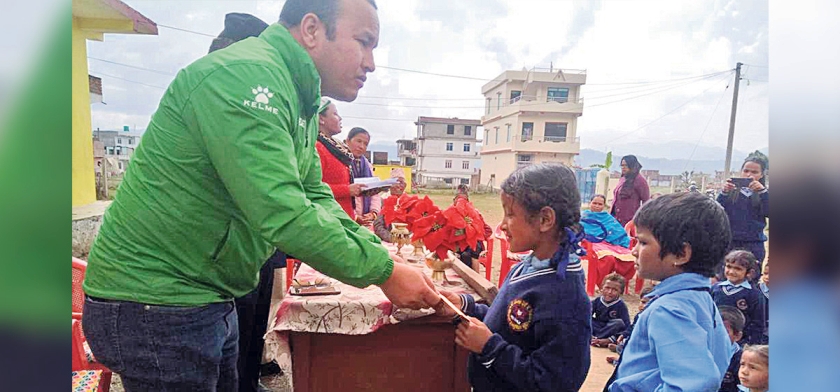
<point x="226" y="172"/>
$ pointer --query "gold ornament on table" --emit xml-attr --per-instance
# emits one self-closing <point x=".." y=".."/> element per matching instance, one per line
<point x="419" y="253"/>
<point x="400" y="235"/>
<point x="439" y="267"/>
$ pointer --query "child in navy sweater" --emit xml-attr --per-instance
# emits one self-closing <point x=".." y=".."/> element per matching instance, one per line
<point x="535" y="336"/>
<point x="679" y="342"/>
<point x="738" y="292"/>
<point x="748" y="207"/>
<point x="610" y="316"/>
<point x="734" y="322"/>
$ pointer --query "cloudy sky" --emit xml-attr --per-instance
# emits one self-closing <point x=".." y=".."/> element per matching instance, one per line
<point x="656" y="80"/>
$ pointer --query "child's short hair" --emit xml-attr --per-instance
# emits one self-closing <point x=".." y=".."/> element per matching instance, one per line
<point x="689" y="218"/>
<point x="614" y="277"/>
<point x="762" y="350"/>
<point x="733" y="316"/>
<point x="547" y="185"/>
<point x="743" y="258"/>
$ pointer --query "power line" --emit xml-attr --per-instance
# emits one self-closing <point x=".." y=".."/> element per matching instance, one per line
<point x="186" y="31"/>
<point x="132" y="66"/>
<point x="657" y="119"/>
<point x="706" y="127"/>
<point x="127" y="80"/>
<point x="643" y="95"/>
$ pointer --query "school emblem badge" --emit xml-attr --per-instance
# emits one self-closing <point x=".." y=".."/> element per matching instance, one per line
<point x="519" y="315"/>
<point x="613" y="314"/>
<point x="741" y="304"/>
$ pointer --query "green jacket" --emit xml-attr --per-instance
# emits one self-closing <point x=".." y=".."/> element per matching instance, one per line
<point x="227" y="171"/>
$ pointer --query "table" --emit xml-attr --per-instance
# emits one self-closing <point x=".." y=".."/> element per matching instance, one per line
<point x="358" y="341"/>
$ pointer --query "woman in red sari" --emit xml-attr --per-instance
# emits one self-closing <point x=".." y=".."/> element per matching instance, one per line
<point x="336" y="158"/>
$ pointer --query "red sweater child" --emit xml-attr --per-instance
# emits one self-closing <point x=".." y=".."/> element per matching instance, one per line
<point x="337" y="176"/>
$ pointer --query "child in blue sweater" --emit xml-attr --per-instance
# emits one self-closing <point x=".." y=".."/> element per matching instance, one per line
<point x="736" y="291"/>
<point x="610" y="316"/>
<point x="535" y="336"/>
<point x="679" y="342"/>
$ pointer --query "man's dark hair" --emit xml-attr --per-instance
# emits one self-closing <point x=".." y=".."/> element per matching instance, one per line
<point x="237" y="27"/>
<point x="326" y="10"/>
<point x="688" y="218"/>
<point x="734" y="316"/>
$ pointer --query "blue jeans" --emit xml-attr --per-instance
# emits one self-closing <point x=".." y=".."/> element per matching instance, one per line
<point x="165" y="348"/>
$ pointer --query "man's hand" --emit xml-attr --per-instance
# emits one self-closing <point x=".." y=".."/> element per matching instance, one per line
<point x="408" y="287"/>
<point x="443" y="309"/>
<point x="356" y="189"/>
<point x="472" y="335"/>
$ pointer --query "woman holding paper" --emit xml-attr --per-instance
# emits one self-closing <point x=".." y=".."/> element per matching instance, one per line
<point x="367" y="206"/>
<point x="336" y="158"/>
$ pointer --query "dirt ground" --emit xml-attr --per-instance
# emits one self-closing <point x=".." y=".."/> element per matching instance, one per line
<point x="490" y="207"/>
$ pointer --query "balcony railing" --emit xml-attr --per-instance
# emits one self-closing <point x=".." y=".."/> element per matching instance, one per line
<point x="562" y="139"/>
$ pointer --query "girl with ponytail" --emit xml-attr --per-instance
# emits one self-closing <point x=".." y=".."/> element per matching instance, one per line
<point x="535" y="335"/>
<point x="748" y="206"/>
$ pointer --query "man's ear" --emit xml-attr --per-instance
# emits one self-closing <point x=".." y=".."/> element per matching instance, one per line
<point x="683" y="258"/>
<point x="311" y="31"/>
<point x="547" y="219"/>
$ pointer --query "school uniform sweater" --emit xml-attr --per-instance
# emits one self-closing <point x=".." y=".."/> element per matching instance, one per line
<point x="679" y="342"/>
<point x="747" y="220"/>
<point x="603" y="312"/>
<point x="541" y="331"/>
<point x="730" y="379"/>
<point x="749" y="300"/>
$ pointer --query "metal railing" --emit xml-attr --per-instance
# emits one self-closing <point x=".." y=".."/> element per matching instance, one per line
<point x="562" y="139"/>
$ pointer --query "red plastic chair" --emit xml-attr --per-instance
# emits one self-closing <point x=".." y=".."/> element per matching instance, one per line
<point x="508" y="259"/>
<point x="78" y="276"/>
<point x="82" y="358"/>
<point x="292" y="265"/>
<point x="630" y="228"/>
<point x="487" y="259"/>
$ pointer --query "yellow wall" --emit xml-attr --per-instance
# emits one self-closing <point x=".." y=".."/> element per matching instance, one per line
<point x="384" y="173"/>
<point x="84" y="183"/>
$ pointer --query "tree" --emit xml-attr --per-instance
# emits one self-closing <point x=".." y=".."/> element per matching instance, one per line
<point x="607" y="162"/>
<point x="686" y="178"/>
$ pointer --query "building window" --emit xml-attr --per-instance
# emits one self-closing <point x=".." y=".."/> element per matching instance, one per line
<point x="465" y="181"/>
<point x="497" y="134"/>
<point x="119" y="140"/>
<point x="447" y="164"/>
<point x="466" y="147"/>
<point x="498" y="101"/>
<point x="447" y="180"/>
<point x="558" y="94"/>
<point x="527" y="131"/>
<point x="130" y="140"/>
<point x="119" y="151"/>
<point x="508" y="134"/>
<point x="487" y="107"/>
<point x="523" y="160"/>
<point x="450" y="129"/>
<point x="555" y="132"/>
<point x="465" y="165"/>
<point x="486" y="136"/>
<point x="515" y="95"/>
<point x="467" y="130"/>
<point x="448" y="146"/>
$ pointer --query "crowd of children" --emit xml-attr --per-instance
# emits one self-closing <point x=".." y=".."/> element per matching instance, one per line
<point x="696" y="330"/>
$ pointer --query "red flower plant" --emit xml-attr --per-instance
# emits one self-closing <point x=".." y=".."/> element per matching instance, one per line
<point x="435" y="233"/>
<point x="423" y="208"/>
<point x="466" y="222"/>
<point x="396" y="208"/>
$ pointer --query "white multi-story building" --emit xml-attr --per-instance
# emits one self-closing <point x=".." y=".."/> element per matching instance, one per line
<point x="444" y="150"/>
<point x="530" y="117"/>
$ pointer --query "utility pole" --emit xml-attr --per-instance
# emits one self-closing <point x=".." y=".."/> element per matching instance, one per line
<point x="728" y="163"/>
